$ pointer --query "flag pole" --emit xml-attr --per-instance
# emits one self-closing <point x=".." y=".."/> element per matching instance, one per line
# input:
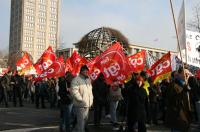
<point x="178" y="42"/>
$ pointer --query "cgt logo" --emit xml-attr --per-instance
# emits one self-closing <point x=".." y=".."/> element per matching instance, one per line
<point x="23" y="65"/>
<point x="45" y="64"/>
<point x="95" y="74"/>
<point x="136" y="61"/>
<point x="112" y="70"/>
<point x="160" y="68"/>
<point x="44" y="74"/>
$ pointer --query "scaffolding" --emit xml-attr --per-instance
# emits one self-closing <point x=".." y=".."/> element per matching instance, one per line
<point x="100" y="39"/>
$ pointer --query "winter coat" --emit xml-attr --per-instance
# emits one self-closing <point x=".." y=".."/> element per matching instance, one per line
<point x="137" y="97"/>
<point x="115" y="94"/>
<point x="177" y="112"/>
<point x="82" y="91"/>
<point x="65" y="96"/>
<point x="100" y="91"/>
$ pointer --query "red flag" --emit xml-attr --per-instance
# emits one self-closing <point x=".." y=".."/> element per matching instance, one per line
<point x="68" y="65"/>
<point x="198" y="73"/>
<point x="47" y="58"/>
<point x="57" y="69"/>
<point x="24" y="62"/>
<point x="114" y="64"/>
<point x="137" y="61"/>
<point x="76" y="61"/>
<point x="93" y="70"/>
<point x="161" y="69"/>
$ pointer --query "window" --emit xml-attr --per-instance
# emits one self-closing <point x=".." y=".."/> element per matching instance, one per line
<point x="41" y="27"/>
<point x="42" y="1"/>
<point x="42" y="7"/>
<point x="53" y="16"/>
<point x="42" y="20"/>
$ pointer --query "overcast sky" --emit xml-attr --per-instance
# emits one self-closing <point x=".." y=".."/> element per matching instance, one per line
<point x="143" y="22"/>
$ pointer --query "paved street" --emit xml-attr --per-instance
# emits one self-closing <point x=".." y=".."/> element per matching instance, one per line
<point x="29" y="119"/>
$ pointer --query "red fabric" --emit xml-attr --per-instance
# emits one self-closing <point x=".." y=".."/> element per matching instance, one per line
<point x="57" y="69"/>
<point x="24" y="62"/>
<point x="198" y="73"/>
<point x="114" y="64"/>
<point x="76" y="62"/>
<point x="137" y="61"/>
<point x="47" y="58"/>
<point x="162" y="66"/>
<point x="93" y="70"/>
<point x="68" y="65"/>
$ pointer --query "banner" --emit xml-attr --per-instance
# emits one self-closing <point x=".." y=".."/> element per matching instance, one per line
<point x="93" y="70"/>
<point x="193" y="48"/>
<point x="150" y="59"/>
<point x="25" y="66"/>
<point x="68" y="65"/>
<point x="137" y="61"/>
<point x="181" y="27"/>
<point x="76" y="62"/>
<point x="47" y="58"/>
<point x="57" y="69"/>
<point x="24" y="62"/>
<point x="161" y="69"/>
<point x="114" y="64"/>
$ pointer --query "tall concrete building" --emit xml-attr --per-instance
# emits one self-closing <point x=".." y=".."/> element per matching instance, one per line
<point x="34" y="25"/>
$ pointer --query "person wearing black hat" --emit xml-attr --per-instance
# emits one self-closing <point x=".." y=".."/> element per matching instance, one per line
<point x="82" y="96"/>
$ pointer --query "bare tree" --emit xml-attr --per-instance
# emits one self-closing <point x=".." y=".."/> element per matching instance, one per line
<point x="194" y="24"/>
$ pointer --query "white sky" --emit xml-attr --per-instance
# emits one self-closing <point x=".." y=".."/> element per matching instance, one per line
<point x="143" y="22"/>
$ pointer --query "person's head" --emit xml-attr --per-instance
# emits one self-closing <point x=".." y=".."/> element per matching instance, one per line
<point x="101" y="76"/>
<point x="69" y="76"/>
<point x="143" y="74"/>
<point x="181" y="73"/>
<point x="139" y="81"/>
<point x="114" y="84"/>
<point x="84" y="71"/>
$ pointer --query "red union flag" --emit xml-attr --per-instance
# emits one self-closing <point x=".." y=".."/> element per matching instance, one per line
<point x="76" y="62"/>
<point x="57" y="69"/>
<point x="137" y="61"/>
<point x="47" y="58"/>
<point x="161" y="69"/>
<point x="24" y="62"/>
<point x="114" y="64"/>
<point x="68" y="65"/>
<point x="93" y="70"/>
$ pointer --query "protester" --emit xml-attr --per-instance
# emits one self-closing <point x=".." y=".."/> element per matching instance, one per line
<point x="52" y="92"/>
<point x="137" y="97"/>
<point x="3" y="91"/>
<point x="83" y="97"/>
<point x="101" y="98"/>
<point x="195" y="89"/>
<point x="115" y="97"/>
<point x="153" y="103"/>
<point x="65" y="105"/>
<point x="40" y="93"/>
<point x="17" y="89"/>
<point x="177" y="104"/>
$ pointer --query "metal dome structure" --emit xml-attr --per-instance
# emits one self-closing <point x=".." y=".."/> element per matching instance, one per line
<point x="98" y="40"/>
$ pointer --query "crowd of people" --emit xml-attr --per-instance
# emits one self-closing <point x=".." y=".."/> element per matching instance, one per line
<point x="175" y="101"/>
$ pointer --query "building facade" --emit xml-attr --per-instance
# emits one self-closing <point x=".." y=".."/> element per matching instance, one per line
<point x="67" y="52"/>
<point x="155" y="52"/>
<point x="133" y="49"/>
<point x="34" y="25"/>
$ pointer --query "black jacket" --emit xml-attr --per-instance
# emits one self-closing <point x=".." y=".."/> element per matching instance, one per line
<point x="137" y="98"/>
<point x="65" y="96"/>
